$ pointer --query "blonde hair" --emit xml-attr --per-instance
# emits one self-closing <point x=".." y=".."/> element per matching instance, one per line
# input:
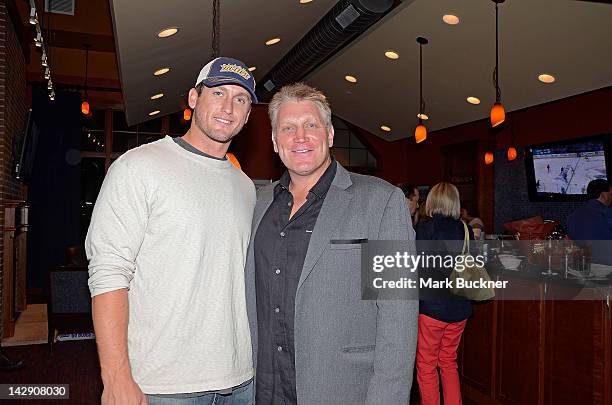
<point x="443" y="199"/>
<point x="299" y="92"/>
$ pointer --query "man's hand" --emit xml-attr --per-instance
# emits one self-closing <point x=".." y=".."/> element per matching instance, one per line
<point x="122" y="391"/>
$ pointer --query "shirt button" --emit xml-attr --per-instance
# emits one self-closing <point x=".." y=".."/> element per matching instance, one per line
<point x="277" y="271"/>
<point x="282" y="234"/>
<point x="277" y="310"/>
<point x="279" y="348"/>
<point x="289" y="204"/>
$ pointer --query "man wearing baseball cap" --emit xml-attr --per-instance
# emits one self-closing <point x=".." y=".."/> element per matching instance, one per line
<point x="166" y="249"/>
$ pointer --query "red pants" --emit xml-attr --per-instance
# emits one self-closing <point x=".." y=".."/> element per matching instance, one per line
<point x="437" y="347"/>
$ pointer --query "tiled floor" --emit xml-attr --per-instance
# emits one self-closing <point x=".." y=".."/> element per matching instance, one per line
<point x="30" y="328"/>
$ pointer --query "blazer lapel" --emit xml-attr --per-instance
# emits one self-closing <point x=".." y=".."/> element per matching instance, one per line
<point x="263" y="203"/>
<point x="333" y="210"/>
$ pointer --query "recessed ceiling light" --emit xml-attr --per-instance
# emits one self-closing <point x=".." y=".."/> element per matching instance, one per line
<point x="351" y="79"/>
<point x="392" y="55"/>
<point x="252" y="68"/>
<point x="154" y="112"/>
<point x="424" y="117"/>
<point x="156" y="96"/>
<point x="161" y="71"/>
<point x="473" y="100"/>
<point x="305" y="1"/>
<point x="450" y="19"/>
<point x="272" y="41"/>
<point x="546" y="78"/>
<point x="385" y="128"/>
<point x="167" y="32"/>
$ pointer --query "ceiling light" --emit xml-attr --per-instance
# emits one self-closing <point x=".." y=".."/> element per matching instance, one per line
<point x="546" y="78"/>
<point x="392" y="55"/>
<point x="272" y="41"/>
<point x="351" y="79"/>
<point x="385" y="128"/>
<point x="252" y="68"/>
<point x="154" y="112"/>
<point x="33" y="15"/>
<point x="47" y="73"/>
<point x="161" y="71"/>
<point x="498" y="113"/>
<point x="420" y="132"/>
<point x="423" y="116"/>
<point x="305" y="1"/>
<point x="167" y="32"/>
<point x="450" y="19"/>
<point x="473" y="100"/>
<point x="156" y="96"/>
<point x="38" y="40"/>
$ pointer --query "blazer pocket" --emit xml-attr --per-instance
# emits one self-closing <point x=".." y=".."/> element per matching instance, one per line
<point x="347" y="243"/>
<point x="358" y="349"/>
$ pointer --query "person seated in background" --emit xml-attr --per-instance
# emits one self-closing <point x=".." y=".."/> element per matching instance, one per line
<point x="470" y="217"/>
<point x="412" y="199"/>
<point x="593" y="221"/>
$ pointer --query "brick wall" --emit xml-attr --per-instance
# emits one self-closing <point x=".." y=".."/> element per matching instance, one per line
<point x="13" y="108"/>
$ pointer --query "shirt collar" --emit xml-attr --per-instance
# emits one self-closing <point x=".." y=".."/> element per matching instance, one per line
<point x="321" y="187"/>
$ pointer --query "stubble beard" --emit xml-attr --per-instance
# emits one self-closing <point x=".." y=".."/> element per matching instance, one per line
<point x="220" y="138"/>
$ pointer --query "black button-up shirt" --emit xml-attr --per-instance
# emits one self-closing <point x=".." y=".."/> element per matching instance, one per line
<point x="280" y="249"/>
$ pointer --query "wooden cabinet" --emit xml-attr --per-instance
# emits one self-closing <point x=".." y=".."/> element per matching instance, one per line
<point x="538" y="352"/>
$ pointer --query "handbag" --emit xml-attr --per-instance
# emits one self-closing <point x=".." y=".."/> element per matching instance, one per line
<point x="471" y="273"/>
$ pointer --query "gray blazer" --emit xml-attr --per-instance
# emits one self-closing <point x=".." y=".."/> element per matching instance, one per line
<point x="347" y="350"/>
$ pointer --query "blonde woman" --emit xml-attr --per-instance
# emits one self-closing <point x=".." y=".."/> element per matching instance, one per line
<point x="441" y="320"/>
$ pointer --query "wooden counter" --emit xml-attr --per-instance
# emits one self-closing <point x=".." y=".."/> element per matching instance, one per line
<point x="538" y="352"/>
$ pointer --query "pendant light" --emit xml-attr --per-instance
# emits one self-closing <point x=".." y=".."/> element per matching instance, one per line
<point x="187" y="114"/>
<point x="420" y="132"/>
<point x="498" y="114"/>
<point x="488" y="158"/>
<point x="512" y="154"/>
<point x="85" y="104"/>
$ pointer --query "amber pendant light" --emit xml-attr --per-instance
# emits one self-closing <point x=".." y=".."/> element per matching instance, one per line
<point x="420" y="132"/>
<point x="498" y="113"/>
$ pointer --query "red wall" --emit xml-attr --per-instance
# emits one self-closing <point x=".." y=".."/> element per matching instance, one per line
<point x="404" y="161"/>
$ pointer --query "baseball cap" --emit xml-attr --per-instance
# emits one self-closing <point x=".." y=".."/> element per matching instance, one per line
<point x="224" y="70"/>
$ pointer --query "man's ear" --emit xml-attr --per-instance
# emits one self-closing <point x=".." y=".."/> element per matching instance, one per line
<point x="274" y="142"/>
<point x="247" y="116"/>
<point x="193" y="98"/>
<point x="330" y="136"/>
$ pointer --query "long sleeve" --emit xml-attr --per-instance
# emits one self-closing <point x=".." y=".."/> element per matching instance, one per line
<point x="397" y="321"/>
<point x="116" y="230"/>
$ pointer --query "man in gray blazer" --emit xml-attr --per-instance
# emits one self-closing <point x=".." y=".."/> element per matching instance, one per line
<point x="315" y="341"/>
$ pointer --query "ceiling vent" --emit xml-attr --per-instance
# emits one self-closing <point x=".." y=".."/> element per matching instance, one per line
<point x="60" y="6"/>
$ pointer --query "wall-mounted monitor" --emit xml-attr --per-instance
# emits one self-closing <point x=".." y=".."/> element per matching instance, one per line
<point x="561" y="171"/>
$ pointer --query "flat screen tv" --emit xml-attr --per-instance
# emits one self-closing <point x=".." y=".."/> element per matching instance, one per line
<point x="561" y="171"/>
<point x="25" y="150"/>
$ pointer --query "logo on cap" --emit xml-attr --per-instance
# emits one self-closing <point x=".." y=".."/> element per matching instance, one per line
<point x="239" y="70"/>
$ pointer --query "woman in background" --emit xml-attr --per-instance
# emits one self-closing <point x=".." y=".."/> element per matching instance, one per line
<point x="441" y="320"/>
<point x="473" y="221"/>
<point x="412" y="199"/>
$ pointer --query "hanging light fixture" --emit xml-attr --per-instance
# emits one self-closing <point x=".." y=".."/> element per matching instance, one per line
<point x="420" y="132"/>
<point x="511" y="153"/>
<point x="498" y="114"/>
<point x="85" y="104"/>
<point x="489" y="158"/>
<point x="187" y="114"/>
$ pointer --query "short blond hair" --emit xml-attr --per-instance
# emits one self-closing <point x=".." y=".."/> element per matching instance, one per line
<point x="299" y="92"/>
<point x="443" y="199"/>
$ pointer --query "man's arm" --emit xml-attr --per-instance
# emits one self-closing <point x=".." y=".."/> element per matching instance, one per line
<point x="397" y="321"/>
<point x="110" y="316"/>
<point x="113" y="240"/>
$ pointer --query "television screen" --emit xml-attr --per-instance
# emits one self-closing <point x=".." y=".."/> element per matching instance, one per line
<point x="563" y="170"/>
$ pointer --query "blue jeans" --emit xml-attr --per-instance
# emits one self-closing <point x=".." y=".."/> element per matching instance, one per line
<point x="242" y="395"/>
